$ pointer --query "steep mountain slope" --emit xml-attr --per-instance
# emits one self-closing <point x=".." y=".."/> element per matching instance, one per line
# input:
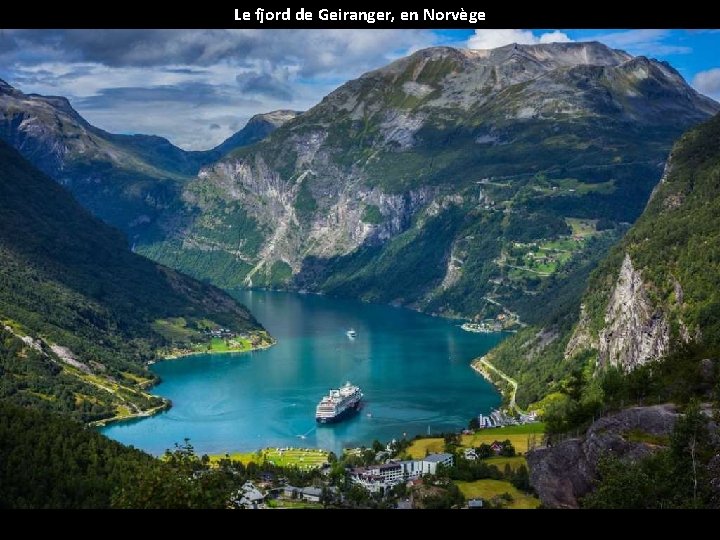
<point x="79" y="313"/>
<point x="655" y="296"/>
<point x="257" y="129"/>
<point x="47" y="461"/>
<point x="471" y="183"/>
<point x="133" y="182"/>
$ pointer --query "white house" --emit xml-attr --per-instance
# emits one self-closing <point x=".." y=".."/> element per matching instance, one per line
<point x="431" y="462"/>
<point x="249" y="497"/>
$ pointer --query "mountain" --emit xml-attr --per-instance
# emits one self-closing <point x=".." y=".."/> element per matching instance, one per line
<point x="653" y="300"/>
<point x="133" y="182"/>
<point x="80" y="315"/>
<point x="478" y="184"/>
<point x="257" y="129"/>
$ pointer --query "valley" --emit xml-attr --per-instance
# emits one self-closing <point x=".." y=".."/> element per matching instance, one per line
<point x="466" y="234"/>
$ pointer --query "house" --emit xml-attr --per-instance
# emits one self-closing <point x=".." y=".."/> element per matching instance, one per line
<point x="309" y="494"/>
<point x="471" y="454"/>
<point x="249" y="497"/>
<point x="430" y="463"/>
<point x="291" y="492"/>
<point x="497" y="447"/>
<point x="476" y="504"/>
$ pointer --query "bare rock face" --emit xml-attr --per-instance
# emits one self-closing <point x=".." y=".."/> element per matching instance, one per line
<point x="560" y="474"/>
<point x="635" y="332"/>
<point x="565" y="473"/>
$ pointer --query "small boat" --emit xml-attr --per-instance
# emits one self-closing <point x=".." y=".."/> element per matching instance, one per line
<point x="352" y="334"/>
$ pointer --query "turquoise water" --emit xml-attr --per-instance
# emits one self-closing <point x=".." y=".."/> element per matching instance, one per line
<point x="413" y="369"/>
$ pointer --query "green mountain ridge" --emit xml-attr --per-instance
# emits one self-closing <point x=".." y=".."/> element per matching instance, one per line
<point x="654" y="297"/>
<point x="80" y="314"/>
<point x="460" y="183"/>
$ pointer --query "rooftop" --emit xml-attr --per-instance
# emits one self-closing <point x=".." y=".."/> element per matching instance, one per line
<point x="438" y="458"/>
<point x="312" y="491"/>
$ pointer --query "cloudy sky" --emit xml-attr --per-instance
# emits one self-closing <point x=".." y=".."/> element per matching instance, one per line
<point x="197" y="87"/>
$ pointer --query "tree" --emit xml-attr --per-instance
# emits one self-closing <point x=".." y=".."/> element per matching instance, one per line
<point x="521" y="479"/>
<point x="358" y="496"/>
<point x="484" y="451"/>
<point x="326" y="497"/>
<point x="474" y="424"/>
<point x="691" y="451"/>
<point x="621" y="486"/>
<point x="614" y="386"/>
<point x="181" y="481"/>
<point x="508" y="450"/>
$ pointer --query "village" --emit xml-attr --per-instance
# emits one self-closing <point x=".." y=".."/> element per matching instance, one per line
<point x="505" y="322"/>
<point x="482" y="467"/>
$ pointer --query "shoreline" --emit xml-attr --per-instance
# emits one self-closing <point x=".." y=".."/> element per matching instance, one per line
<point x="484" y="367"/>
<point x="181" y="355"/>
<point x="167" y="404"/>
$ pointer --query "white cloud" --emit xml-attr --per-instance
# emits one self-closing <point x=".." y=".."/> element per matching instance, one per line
<point x="492" y="39"/>
<point x="708" y="82"/>
<point x="555" y="37"/>
<point x="642" y="42"/>
<point x="175" y="83"/>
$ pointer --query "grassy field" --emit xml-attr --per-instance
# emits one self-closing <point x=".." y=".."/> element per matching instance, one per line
<point x="517" y="435"/>
<point x="582" y="227"/>
<point x="487" y="489"/>
<point x="302" y="459"/>
<point x="514" y="462"/>
<point x="218" y="345"/>
<point x="194" y="340"/>
<point x="420" y="448"/>
<point x="175" y="329"/>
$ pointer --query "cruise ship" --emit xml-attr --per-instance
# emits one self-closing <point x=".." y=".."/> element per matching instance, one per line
<point x="338" y="404"/>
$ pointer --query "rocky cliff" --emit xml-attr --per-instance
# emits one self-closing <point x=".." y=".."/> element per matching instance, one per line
<point x="634" y="331"/>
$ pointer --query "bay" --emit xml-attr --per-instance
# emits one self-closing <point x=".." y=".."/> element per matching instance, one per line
<point x="413" y="369"/>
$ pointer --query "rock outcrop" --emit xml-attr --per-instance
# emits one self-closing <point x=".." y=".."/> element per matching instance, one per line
<point x="636" y="331"/>
<point x="564" y="473"/>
